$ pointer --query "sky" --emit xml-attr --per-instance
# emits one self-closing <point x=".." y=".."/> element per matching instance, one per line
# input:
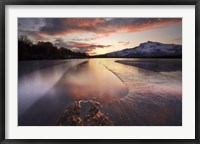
<point x="96" y="36"/>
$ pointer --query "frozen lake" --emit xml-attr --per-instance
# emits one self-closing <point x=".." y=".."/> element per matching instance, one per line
<point x="136" y="92"/>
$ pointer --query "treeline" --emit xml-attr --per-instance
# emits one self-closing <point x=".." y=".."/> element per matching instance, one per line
<point x="44" y="50"/>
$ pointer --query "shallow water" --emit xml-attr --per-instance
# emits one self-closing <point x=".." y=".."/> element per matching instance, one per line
<point x="131" y="93"/>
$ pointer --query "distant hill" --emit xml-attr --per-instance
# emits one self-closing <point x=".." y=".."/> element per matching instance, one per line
<point x="148" y="49"/>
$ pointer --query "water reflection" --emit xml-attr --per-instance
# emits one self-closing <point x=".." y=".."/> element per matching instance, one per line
<point x="157" y="65"/>
<point x="92" y="79"/>
<point x="35" y="78"/>
<point x="84" y="81"/>
<point x="131" y="94"/>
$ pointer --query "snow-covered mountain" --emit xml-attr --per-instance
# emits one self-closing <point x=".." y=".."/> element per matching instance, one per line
<point x="149" y="49"/>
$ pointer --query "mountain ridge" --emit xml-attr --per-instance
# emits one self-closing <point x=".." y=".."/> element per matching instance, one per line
<point x="148" y="49"/>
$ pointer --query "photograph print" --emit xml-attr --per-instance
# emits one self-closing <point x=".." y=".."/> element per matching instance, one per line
<point x="99" y="71"/>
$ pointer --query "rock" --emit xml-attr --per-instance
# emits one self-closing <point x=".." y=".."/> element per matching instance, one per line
<point x="93" y="116"/>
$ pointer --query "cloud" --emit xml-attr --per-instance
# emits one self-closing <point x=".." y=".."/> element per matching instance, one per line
<point x="60" y="26"/>
<point x="87" y="39"/>
<point x="33" y="35"/>
<point x="57" y="26"/>
<point x="30" y="27"/>
<point x="31" y="24"/>
<point x="141" y="24"/>
<point x="91" y="53"/>
<point x="77" y="46"/>
<point x="124" y="43"/>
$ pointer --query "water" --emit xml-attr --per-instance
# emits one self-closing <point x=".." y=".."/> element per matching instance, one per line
<point x="132" y="91"/>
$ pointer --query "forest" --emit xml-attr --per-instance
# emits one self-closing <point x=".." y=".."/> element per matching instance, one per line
<point x="27" y="50"/>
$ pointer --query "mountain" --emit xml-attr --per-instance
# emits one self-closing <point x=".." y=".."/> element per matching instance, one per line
<point x="149" y="49"/>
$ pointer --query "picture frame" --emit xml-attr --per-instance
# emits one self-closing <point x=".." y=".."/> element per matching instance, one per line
<point x="3" y="73"/>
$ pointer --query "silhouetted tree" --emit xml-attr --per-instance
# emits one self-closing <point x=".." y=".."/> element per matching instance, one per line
<point x="43" y="50"/>
<point x="24" y="48"/>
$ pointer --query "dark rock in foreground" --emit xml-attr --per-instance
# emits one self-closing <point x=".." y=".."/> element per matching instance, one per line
<point x="84" y="113"/>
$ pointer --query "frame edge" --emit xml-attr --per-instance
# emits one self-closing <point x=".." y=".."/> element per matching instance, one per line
<point x="197" y="70"/>
<point x="51" y="2"/>
<point x="2" y="72"/>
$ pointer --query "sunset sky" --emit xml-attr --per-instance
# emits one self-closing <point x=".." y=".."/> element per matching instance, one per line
<point x="101" y="35"/>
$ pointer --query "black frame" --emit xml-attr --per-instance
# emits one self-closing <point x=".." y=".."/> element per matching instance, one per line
<point x="3" y="4"/>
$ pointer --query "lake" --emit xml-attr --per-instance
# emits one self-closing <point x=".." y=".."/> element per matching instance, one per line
<point x="132" y="91"/>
